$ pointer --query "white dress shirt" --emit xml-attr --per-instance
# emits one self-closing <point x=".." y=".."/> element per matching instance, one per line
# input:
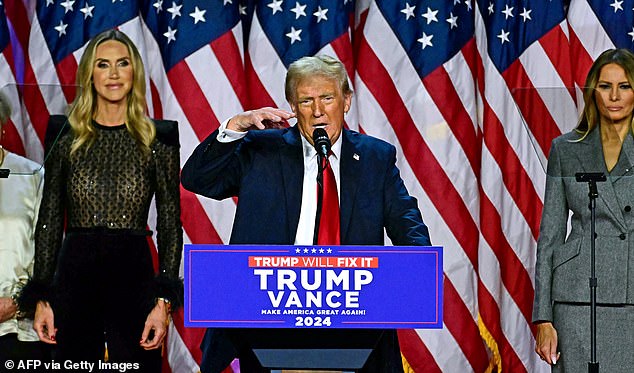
<point x="20" y="196"/>
<point x="306" y="226"/>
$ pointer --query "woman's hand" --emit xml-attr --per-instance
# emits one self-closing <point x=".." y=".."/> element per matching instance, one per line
<point x="44" y="323"/>
<point x="156" y="324"/>
<point x="8" y="308"/>
<point x="546" y="342"/>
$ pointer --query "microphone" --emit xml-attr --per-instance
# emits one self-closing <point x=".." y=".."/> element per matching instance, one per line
<point x="321" y="141"/>
<point x="590" y="176"/>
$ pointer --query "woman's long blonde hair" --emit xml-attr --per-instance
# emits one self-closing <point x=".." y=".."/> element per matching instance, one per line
<point x="84" y="106"/>
<point x="590" y="116"/>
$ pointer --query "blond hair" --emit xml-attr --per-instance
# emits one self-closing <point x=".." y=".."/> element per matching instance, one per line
<point x="84" y="106"/>
<point x="322" y="65"/>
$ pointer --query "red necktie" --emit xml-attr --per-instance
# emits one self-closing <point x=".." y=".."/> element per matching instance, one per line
<point x="329" y="219"/>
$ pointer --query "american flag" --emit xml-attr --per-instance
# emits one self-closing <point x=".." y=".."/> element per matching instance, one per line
<point x="470" y="92"/>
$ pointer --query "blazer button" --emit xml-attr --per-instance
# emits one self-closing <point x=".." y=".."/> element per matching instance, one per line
<point x="628" y="208"/>
<point x="622" y="236"/>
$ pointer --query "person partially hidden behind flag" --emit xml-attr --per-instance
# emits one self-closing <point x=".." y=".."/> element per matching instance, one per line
<point x="274" y="172"/>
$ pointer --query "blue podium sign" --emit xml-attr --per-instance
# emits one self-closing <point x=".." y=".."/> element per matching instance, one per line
<point x="313" y="286"/>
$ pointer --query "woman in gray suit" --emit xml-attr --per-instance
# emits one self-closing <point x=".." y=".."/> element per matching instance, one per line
<point x="602" y="142"/>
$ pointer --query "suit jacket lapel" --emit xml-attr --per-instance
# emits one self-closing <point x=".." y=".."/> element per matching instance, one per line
<point x="592" y="160"/>
<point x="350" y="178"/>
<point x="627" y="157"/>
<point x="292" y="166"/>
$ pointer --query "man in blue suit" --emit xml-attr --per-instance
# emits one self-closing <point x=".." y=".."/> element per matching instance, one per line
<point x="273" y="173"/>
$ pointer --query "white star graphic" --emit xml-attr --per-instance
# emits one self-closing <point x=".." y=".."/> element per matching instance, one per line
<point x="617" y="5"/>
<point x="298" y="250"/>
<point x="294" y="35"/>
<point x="452" y="20"/>
<point x="321" y="14"/>
<point x="198" y="15"/>
<point x="430" y="15"/>
<point x="227" y="2"/>
<point x="68" y="5"/>
<point x="426" y="40"/>
<point x="305" y="251"/>
<point x="526" y="14"/>
<point x="321" y="251"/>
<point x="504" y="36"/>
<point x="50" y="2"/>
<point x="456" y="2"/>
<point x="329" y="251"/>
<point x="175" y="10"/>
<point x="61" y="28"/>
<point x="490" y="8"/>
<point x="170" y="34"/>
<point x="299" y="10"/>
<point x="314" y="251"/>
<point x="276" y="5"/>
<point x="242" y="9"/>
<point x="87" y="10"/>
<point x="158" y="5"/>
<point x="408" y="11"/>
<point x="508" y="12"/>
<point x="468" y="4"/>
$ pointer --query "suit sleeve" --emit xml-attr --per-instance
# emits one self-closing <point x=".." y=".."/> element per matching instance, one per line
<point x="552" y="234"/>
<point x="403" y="220"/>
<point x="214" y="168"/>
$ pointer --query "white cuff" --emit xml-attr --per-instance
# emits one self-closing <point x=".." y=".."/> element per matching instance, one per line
<point x="226" y="135"/>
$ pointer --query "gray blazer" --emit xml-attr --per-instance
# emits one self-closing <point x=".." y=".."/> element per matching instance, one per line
<point x="563" y="263"/>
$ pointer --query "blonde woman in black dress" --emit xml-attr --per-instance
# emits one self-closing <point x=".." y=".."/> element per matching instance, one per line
<point x="95" y="285"/>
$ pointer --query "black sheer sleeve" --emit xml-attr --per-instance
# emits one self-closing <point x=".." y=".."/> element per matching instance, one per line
<point x="50" y="223"/>
<point x="166" y="156"/>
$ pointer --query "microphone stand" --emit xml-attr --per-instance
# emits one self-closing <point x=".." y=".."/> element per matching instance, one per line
<point x="592" y="178"/>
<point x="320" y="194"/>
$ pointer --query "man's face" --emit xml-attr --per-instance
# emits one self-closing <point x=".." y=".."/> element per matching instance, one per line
<point x="320" y="103"/>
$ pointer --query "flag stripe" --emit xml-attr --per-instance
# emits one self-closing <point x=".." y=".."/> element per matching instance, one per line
<point x="430" y="174"/>
<point x="534" y="107"/>
<point x="228" y="52"/>
<point x="515" y="277"/>
<point x="418" y="356"/>
<point x="442" y="90"/>
<point x="435" y="184"/>
<point x="196" y="223"/>
<point x="491" y="316"/>
<point x="66" y="70"/>
<point x="192" y="100"/>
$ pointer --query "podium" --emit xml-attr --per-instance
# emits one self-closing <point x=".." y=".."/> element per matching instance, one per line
<point x="340" y="349"/>
<point x="311" y="307"/>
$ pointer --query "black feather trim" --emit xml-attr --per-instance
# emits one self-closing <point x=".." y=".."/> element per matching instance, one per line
<point x="33" y="292"/>
<point x="170" y="289"/>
